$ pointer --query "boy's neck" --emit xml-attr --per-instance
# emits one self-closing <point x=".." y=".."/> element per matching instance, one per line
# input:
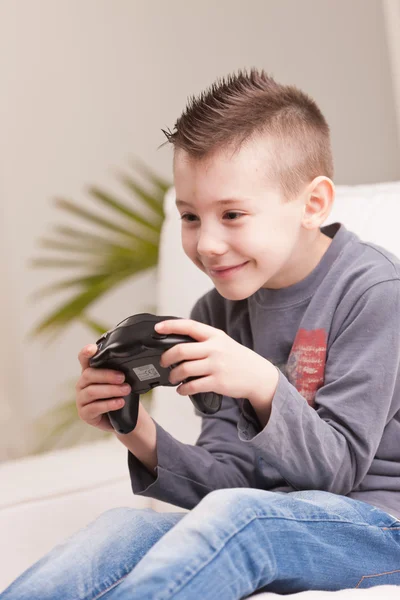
<point x="312" y="254"/>
<point x="304" y="260"/>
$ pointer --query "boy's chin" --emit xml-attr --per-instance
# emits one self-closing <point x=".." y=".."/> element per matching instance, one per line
<point x="234" y="292"/>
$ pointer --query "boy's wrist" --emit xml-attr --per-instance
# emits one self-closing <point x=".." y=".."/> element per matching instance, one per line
<point x="264" y="391"/>
<point x="142" y="441"/>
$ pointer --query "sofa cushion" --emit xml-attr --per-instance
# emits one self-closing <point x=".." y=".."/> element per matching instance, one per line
<point x="46" y="498"/>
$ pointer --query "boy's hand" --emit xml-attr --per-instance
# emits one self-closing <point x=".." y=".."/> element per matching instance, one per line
<point x="223" y="365"/>
<point x="93" y="386"/>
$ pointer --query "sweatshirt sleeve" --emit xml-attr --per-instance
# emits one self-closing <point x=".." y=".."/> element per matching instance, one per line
<point x="185" y="473"/>
<point x="331" y="447"/>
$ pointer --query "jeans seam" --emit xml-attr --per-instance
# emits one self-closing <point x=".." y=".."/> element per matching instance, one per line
<point x="111" y="586"/>
<point x="325" y="520"/>
<point x="377" y="575"/>
<point x="317" y="520"/>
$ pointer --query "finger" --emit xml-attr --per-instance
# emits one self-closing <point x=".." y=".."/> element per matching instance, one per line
<point x="197" y="330"/>
<point x="91" y="412"/>
<point x="94" y="375"/>
<point x="85" y="354"/>
<point x="182" y="352"/>
<point x="190" y="368"/>
<point x="103" y="423"/>
<point x="202" y="384"/>
<point x="92" y="393"/>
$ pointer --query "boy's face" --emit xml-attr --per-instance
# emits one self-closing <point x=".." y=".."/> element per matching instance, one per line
<point x="256" y="228"/>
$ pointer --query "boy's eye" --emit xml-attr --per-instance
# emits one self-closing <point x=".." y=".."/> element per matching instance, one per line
<point x="187" y="216"/>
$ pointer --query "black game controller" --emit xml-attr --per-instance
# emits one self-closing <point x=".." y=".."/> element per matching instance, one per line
<point x="134" y="347"/>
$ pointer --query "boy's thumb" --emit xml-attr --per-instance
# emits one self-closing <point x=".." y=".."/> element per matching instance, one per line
<point x="85" y="354"/>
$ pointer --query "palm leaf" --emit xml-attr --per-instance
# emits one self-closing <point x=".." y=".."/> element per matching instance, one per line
<point x="95" y="326"/>
<point x="67" y="284"/>
<point x="106" y="263"/>
<point x="76" y="248"/>
<point x="104" y="259"/>
<point x="79" y="234"/>
<point x="162" y="184"/>
<point x="111" y="202"/>
<point x="94" y="219"/>
<point x="101" y="255"/>
<point x="155" y="202"/>
<point x="74" y="307"/>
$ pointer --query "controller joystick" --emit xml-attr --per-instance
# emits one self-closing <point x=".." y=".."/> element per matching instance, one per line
<point x="134" y="347"/>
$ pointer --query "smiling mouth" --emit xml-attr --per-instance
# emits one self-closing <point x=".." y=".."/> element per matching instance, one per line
<point x="226" y="272"/>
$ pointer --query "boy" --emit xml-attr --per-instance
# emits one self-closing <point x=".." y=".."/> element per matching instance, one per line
<point x="295" y="483"/>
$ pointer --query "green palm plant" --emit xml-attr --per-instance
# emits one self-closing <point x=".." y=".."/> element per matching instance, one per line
<point x="114" y="250"/>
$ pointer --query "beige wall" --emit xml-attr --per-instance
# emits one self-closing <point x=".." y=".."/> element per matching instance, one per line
<point x="86" y="84"/>
<point x="391" y="13"/>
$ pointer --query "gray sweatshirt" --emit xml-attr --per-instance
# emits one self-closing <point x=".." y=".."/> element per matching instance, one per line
<point x="335" y="420"/>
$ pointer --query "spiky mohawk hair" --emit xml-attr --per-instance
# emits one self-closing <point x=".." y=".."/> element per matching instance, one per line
<point x="240" y="106"/>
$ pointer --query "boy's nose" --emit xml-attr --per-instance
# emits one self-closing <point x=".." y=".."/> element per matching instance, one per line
<point x="210" y="245"/>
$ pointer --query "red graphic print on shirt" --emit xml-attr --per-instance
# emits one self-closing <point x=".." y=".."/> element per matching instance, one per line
<point x="306" y="362"/>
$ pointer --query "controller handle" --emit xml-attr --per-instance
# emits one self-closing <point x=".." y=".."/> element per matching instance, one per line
<point x="124" y="419"/>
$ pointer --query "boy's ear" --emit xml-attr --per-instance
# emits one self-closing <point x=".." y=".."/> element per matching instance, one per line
<point x="318" y="201"/>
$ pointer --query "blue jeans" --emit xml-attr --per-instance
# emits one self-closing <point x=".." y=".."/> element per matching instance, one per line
<point x="233" y="543"/>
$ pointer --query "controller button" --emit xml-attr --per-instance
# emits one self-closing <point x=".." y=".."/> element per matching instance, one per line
<point x="160" y="336"/>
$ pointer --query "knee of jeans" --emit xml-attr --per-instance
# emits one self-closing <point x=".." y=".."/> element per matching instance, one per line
<point x="119" y="517"/>
<point x="113" y="525"/>
<point x="235" y="500"/>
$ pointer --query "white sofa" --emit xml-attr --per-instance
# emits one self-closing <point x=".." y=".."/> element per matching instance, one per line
<point x="46" y="498"/>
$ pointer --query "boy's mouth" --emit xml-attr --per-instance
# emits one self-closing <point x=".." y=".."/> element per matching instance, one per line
<point x="226" y="271"/>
